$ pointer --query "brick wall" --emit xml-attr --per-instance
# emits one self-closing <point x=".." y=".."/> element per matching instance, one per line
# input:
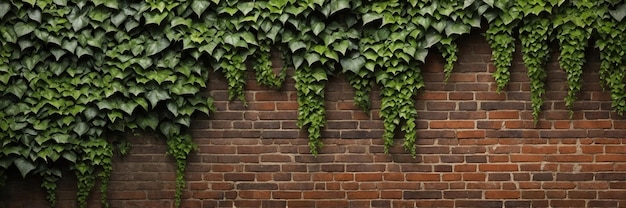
<point x="476" y="148"/>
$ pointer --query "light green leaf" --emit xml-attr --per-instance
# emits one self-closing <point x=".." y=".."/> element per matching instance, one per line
<point x="338" y="5"/>
<point x="318" y="27"/>
<point x="457" y="28"/>
<point x="370" y="17"/>
<point x="249" y="37"/>
<point x="342" y="47"/>
<point x="421" y="54"/>
<point x="199" y="6"/>
<point x="154" y="17"/>
<point x="319" y="74"/>
<point x="245" y="7"/>
<point x="312" y="58"/>
<point x="180" y="21"/>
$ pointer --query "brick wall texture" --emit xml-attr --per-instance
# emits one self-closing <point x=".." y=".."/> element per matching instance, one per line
<point x="476" y="148"/>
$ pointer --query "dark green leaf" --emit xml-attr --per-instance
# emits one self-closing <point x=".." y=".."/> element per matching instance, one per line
<point x="151" y="120"/>
<point x="81" y="128"/>
<point x="22" y="29"/>
<point x="155" y="96"/>
<point x="18" y="88"/>
<point x="619" y="13"/>
<point x="5" y="7"/>
<point x="154" y="47"/>
<point x="24" y="166"/>
<point x="296" y="45"/>
<point x="353" y="63"/>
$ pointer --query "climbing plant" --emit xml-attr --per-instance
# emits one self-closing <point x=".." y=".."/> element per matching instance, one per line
<point x="534" y="34"/>
<point x="75" y="74"/>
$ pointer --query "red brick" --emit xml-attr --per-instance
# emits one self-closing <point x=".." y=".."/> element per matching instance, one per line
<point x="533" y="195"/>
<point x="452" y="124"/>
<point x="615" y="149"/>
<point x="363" y="195"/>
<point x="323" y="194"/>
<point x="504" y="115"/>
<point x="498" y="167"/>
<point x="526" y="158"/>
<point x="500" y="194"/>
<point x="611" y="158"/>
<point x="592" y="124"/>
<point x="571" y="158"/>
<point x="465" y="168"/>
<point x="474" y="176"/>
<point x="422" y="177"/>
<point x="463" y="134"/>
<point x="368" y="177"/>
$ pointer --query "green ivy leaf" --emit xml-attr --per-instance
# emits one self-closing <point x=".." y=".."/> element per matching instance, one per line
<point x="24" y="166"/>
<point x="155" y="96"/>
<point x="18" y="88"/>
<point x="154" y="18"/>
<point x="319" y="74"/>
<point x="456" y="28"/>
<point x="151" y="120"/>
<point x="22" y="29"/>
<point x="199" y="6"/>
<point x="354" y="63"/>
<point x="296" y="45"/>
<point x="154" y="47"/>
<point x="81" y="128"/>
<point x="619" y="13"/>
<point x="370" y="17"/>
<point x="5" y="7"/>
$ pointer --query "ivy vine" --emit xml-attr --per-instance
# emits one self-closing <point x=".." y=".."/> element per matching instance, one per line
<point x="74" y="73"/>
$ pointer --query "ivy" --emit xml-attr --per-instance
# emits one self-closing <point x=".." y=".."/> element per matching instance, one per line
<point x="611" y="42"/>
<point x="574" y="24"/>
<point x="499" y="35"/>
<point x="75" y="73"/>
<point x="362" y="84"/>
<point x="534" y="36"/>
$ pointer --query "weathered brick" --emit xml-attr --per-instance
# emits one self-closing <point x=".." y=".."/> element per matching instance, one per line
<point x="422" y="195"/>
<point x="502" y="194"/>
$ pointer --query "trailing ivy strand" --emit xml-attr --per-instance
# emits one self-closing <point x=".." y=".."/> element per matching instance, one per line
<point x="75" y="74"/>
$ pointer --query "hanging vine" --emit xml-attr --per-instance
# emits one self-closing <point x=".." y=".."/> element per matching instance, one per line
<point x="574" y="24"/>
<point x="611" y="42"/>
<point x="499" y="35"/>
<point x="535" y="37"/>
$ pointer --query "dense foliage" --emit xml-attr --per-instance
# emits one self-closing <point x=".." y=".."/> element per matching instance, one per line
<point x="75" y="74"/>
